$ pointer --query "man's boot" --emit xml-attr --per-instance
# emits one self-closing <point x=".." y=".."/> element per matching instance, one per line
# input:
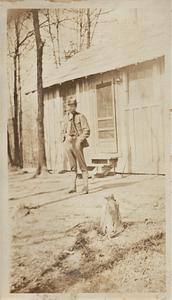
<point x="85" y="182"/>
<point x="73" y="184"/>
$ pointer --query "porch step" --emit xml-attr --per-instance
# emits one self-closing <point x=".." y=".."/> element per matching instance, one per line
<point x="105" y="161"/>
<point x="99" y="170"/>
<point x="103" y="166"/>
<point x="99" y="167"/>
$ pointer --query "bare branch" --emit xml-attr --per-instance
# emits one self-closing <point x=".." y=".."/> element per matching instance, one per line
<point x="106" y="12"/>
<point x="51" y="37"/>
<point x="28" y="35"/>
<point x="95" y="24"/>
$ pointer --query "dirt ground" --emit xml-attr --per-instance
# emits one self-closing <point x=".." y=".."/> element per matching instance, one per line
<point x="57" y="245"/>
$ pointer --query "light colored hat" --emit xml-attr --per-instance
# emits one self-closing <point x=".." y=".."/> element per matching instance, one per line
<point x="71" y="100"/>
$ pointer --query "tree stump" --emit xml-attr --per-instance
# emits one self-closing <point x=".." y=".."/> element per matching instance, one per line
<point x="110" y="223"/>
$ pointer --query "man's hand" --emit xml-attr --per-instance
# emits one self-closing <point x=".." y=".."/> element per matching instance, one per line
<point x="79" y="141"/>
<point x="81" y="138"/>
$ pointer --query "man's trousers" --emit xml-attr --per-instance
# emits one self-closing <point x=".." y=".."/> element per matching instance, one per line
<point x="74" y="153"/>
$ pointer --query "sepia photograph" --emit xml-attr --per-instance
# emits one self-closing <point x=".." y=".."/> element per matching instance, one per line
<point x="87" y="133"/>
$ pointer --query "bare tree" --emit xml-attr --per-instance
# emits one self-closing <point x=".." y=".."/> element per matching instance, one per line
<point x="56" y="20"/>
<point x="20" y="113"/>
<point x="42" y="165"/>
<point x="88" y="28"/>
<point x="58" y="36"/>
<point x="95" y="25"/>
<point x="16" y="42"/>
<point x="85" y="22"/>
<point x="80" y="21"/>
<point x="16" y="106"/>
<point x="51" y="37"/>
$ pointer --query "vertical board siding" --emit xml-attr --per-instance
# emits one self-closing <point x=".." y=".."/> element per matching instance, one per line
<point x="86" y="103"/>
<point x="138" y="138"/>
<point x="121" y="96"/>
<point x="58" y="153"/>
<point x="48" y="142"/>
<point x="147" y="138"/>
<point x="52" y="125"/>
<point x="145" y="125"/>
<point x="86" y="111"/>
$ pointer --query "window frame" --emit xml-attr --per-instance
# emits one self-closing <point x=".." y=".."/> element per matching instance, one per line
<point x="113" y="117"/>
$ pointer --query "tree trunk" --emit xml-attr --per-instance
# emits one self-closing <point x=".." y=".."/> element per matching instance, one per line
<point x="80" y="29"/>
<point x="110" y="223"/>
<point x="93" y="31"/>
<point x="12" y="119"/>
<point x="9" y="150"/>
<point x="51" y="37"/>
<point x="42" y="166"/>
<point x="20" y="114"/>
<point x="58" y="38"/>
<point x="16" y="132"/>
<point x="77" y="29"/>
<point x="88" y="29"/>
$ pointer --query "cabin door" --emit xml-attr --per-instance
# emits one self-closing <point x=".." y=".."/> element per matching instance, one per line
<point x="106" y="128"/>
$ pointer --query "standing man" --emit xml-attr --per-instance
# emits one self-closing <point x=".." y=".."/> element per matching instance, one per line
<point x="75" y="133"/>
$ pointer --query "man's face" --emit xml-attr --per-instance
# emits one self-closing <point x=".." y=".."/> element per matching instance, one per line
<point x="72" y="108"/>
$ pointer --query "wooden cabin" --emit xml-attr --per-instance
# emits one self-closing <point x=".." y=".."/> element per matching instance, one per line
<point x="120" y="89"/>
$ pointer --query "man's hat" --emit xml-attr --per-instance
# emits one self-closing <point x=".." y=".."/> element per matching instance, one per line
<point x="71" y="100"/>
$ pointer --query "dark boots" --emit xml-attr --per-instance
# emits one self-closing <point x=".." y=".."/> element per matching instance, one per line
<point x="73" y="183"/>
<point x="85" y="182"/>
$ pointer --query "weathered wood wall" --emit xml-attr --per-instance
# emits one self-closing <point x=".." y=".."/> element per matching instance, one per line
<point x="138" y="95"/>
<point x="142" y="93"/>
<point x="53" y="106"/>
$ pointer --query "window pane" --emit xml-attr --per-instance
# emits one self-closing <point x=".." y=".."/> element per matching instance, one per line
<point x="105" y="123"/>
<point x="104" y="101"/>
<point x="106" y="134"/>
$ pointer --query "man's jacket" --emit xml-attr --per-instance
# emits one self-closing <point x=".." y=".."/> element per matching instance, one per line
<point x="76" y="125"/>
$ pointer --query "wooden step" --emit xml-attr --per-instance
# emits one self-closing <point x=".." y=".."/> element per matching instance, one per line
<point x="101" y="169"/>
<point x="96" y="161"/>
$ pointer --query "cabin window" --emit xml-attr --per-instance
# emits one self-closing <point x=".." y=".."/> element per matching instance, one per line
<point x="105" y="111"/>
